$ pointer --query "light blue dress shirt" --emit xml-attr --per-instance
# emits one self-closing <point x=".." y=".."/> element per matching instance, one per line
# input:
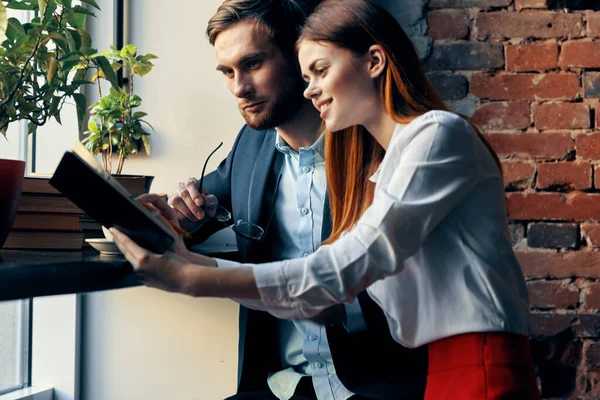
<point x="299" y="205"/>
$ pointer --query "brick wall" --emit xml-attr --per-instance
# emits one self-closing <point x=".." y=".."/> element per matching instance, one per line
<point x="528" y="72"/>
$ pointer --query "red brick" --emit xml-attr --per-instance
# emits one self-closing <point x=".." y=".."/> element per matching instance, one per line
<point x="591" y="230"/>
<point x="503" y="115"/>
<point x="567" y="175"/>
<point x="597" y="177"/>
<point x="588" y="146"/>
<point x="588" y="326"/>
<point x="525" y="86"/>
<point x="484" y="4"/>
<point x="448" y="24"/>
<point x="517" y="175"/>
<point x="532" y="57"/>
<point x="545" y="24"/>
<point x="532" y="145"/>
<point x="551" y="264"/>
<point x="593" y="360"/>
<point x="552" y="294"/>
<point x="593" y="23"/>
<point x="521" y="4"/>
<point x="561" y="116"/>
<point x="553" y="206"/>
<point x="550" y="324"/>
<point x="592" y="296"/>
<point x="580" y="55"/>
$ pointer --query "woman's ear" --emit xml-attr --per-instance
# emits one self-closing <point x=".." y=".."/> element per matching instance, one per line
<point x="377" y="60"/>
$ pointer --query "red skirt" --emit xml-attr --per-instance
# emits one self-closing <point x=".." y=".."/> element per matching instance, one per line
<point x="481" y="366"/>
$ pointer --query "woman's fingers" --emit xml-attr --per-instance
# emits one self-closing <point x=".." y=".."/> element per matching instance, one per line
<point x="135" y="254"/>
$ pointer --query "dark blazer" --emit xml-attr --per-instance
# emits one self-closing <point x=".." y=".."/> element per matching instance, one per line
<point x="369" y="363"/>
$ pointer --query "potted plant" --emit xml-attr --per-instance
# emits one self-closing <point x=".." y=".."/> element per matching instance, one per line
<point x="115" y="127"/>
<point x="43" y="63"/>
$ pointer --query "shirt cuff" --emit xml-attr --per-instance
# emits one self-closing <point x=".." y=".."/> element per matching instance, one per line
<point x="227" y="263"/>
<point x="272" y="284"/>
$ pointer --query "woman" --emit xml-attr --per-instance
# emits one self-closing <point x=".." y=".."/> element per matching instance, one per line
<point x="418" y="212"/>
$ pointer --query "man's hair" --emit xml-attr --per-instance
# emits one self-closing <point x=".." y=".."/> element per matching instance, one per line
<point x="280" y="20"/>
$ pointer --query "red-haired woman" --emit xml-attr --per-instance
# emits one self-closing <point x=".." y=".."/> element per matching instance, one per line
<point x="419" y="217"/>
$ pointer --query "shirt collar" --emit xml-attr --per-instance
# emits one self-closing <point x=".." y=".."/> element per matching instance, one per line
<point x="318" y="146"/>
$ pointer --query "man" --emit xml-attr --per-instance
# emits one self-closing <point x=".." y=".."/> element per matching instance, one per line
<point x="274" y="177"/>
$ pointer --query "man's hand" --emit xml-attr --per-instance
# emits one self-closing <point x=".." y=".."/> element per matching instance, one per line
<point x="187" y="200"/>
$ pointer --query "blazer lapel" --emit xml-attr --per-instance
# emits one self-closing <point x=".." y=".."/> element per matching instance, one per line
<point x="263" y="183"/>
<point x="327" y="223"/>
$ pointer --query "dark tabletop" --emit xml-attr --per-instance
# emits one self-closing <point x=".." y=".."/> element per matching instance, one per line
<point x="30" y="273"/>
<point x="26" y="273"/>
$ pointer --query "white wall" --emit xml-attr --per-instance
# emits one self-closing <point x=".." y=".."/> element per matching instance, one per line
<point x="142" y="343"/>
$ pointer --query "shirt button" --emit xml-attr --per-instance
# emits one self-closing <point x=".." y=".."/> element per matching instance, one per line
<point x="304" y="210"/>
<point x="312" y="338"/>
<point x="305" y="169"/>
<point x="318" y="365"/>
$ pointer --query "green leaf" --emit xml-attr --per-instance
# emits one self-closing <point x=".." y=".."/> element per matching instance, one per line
<point x="86" y="39"/>
<point x="14" y="29"/>
<point x="73" y="38"/>
<point x="3" y="20"/>
<point x="147" y="123"/>
<point x="106" y="68"/>
<point x="93" y="126"/>
<point x="81" y="104"/>
<point x="146" y="57"/>
<point x="22" y="5"/>
<point x="92" y="3"/>
<point x="139" y="114"/>
<point x="81" y="10"/>
<point x="129" y="51"/>
<point x="31" y="127"/>
<point x="76" y="20"/>
<point x="49" y="13"/>
<point x="146" y="141"/>
<point x="142" y="69"/>
<point x="42" y="6"/>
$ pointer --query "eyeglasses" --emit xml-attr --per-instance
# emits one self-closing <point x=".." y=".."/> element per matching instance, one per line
<point x="216" y="212"/>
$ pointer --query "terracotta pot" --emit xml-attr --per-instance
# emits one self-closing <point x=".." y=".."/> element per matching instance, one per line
<point x="11" y="185"/>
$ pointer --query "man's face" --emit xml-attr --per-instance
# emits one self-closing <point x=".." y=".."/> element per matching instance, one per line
<point x="267" y="86"/>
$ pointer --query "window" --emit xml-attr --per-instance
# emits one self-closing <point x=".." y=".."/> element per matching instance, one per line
<point x="15" y="345"/>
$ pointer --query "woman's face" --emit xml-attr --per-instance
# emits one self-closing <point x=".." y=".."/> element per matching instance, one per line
<point x="340" y="84"/>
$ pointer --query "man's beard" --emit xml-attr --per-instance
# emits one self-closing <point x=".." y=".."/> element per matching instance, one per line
<point x="285" y="105"/>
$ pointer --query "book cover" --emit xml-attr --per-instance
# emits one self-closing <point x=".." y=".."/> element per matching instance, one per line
<point x="81" y="178"/>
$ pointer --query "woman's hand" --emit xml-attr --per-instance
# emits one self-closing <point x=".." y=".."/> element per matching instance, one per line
<point x="173" y="273"/>
<point x="161" y="271"/>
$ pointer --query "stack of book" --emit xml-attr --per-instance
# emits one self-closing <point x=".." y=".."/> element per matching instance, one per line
<point x="46" y="220"/>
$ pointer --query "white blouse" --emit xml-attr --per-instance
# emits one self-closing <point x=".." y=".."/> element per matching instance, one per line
<point x="432" y="250"/>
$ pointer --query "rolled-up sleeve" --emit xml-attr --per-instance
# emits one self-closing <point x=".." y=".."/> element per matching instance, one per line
<point x="421" y="181"/>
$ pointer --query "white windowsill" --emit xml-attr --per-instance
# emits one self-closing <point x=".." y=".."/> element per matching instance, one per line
<point x="30" y="393"/>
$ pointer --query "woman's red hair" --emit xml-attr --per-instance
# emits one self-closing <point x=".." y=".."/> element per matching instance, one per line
<point x="353" y="155"/>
